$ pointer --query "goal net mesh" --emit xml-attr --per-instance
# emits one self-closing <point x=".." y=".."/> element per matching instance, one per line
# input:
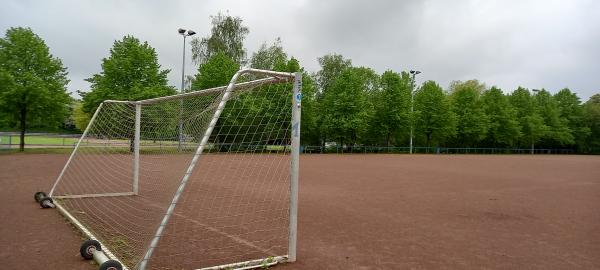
<point x="235" y="206"/>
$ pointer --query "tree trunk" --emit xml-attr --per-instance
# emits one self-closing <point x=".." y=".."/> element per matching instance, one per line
<point x="23" y="128"/>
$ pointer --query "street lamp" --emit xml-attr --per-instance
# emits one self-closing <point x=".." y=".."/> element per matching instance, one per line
<point x="185" y="34"/>
<point x="412" y="107"/>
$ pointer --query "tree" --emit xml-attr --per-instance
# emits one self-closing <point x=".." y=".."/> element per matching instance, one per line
<point x="332" y="66"/>
<point x="32" y="82"/>
<point x="345" y="108"/>
<point x="504" y="129"/>
<point x="80" y="118"/>
<point x="269" y="57"/>
<point x="472" y="122"/>
<point x="571" y="110"/>
<point x="434" y="118"/>
<point x="533" y="128"/>
<point x="131" y="72"/>
<point x="392" y="106"/>
<point x="227" y="36"/>
<point x="558" y="133"/>
<point x="217" y="71"/>
<point x="591" y="114"/>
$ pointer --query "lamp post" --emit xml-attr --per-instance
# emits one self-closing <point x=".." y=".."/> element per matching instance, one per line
<point x="185" y="34"/>
<point x="412" y="107"/>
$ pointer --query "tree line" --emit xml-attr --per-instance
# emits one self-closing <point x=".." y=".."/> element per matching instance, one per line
<point x="343" y="104"/>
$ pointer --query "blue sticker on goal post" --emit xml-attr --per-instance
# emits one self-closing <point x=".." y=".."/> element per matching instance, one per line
<point x="299" y="97"/>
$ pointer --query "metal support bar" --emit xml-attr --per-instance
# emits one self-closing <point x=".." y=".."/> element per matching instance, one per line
<point x="99" y="257"/>
<point x="78" y="196"/>
<point x="87" y="233"/>
<point x="249" y="264"/>
<point x="75" y="150"/>
<point x="136" y="148"/>
<point x="295" y="162"/>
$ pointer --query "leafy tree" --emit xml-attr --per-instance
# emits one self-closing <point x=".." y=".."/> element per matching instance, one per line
<point x="558" y="132"/>
<point x="392" y="106"/>
<point x="332" y="66"/>
<point x="346" y="109"/>
<point x="591" y="114"/>
<point x="434" y="118"/>
<point x="472" y="122"/>
<point x="504" y="129"/>
<point x="269" y="57"/>
<point x="227" y="36"/>
<point x="571" y="110"/>
<point x="532" y="124"/>
<point x="80" y="118"/>
<point x="32" y="82"/>
<point x="217" y="71"/>
<point x="131" y="72"/>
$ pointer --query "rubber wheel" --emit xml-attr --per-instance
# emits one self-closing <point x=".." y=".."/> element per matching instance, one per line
<point x="111" y="265"/>
<point x="87" y="249"/>
<point x="39" y="196"/>
<point x="46" y="199"/>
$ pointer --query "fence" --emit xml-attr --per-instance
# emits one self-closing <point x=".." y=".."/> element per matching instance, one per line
<point x="9" y="140"/>
<point x="430" y="150"/>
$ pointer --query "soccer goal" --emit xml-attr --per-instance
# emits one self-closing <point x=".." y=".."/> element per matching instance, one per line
<point x="200" y="180"/>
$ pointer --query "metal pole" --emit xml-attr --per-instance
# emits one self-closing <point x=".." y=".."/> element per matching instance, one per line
<point x="296" y="108"/>
<point x="136" y="148"/>
<point x="412" y="101"/>
<point x="180" y="139"/>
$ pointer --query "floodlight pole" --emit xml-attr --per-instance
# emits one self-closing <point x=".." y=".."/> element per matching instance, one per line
<point x="412" y="107"/>
<point x="184" y="34"/>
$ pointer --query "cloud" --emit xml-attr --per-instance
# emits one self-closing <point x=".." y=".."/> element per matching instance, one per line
<point x="537" y="44"/>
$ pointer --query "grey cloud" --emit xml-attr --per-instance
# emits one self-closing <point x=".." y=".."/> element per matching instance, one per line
<point x="537" y="44"/>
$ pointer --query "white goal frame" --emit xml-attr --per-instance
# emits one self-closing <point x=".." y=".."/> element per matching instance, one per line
<point x="272" y="77"/>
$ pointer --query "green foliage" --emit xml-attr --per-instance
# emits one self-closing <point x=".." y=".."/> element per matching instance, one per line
<point x="81" y="118"/>
<point x="392" y="108"/>
<point x="572" y="111"/>
<point x="269" y="57"/>
<point x="532" y="124"/>
<point x="216" y="71"/>
<point x="32" y="82"/>
<point x="332" y="66"/>
<point x="504" y="129"/>
<point x="558" y="131"/>
<point x="346" y="109"/>
<point x="434" y="118"/>
<point x="472" y="122"/>
<point x="227" y="36"/>
<point x="592" y="121"/>
<point x="131" y="72"/>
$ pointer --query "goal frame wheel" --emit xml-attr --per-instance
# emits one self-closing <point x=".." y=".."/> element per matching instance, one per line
<point x="111" y="265"/>
<point x="87" y="249"/>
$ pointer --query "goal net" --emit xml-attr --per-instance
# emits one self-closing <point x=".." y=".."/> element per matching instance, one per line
<point x="206" y="179"/>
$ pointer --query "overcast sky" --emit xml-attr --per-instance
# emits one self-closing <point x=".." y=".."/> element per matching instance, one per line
<point x="537" y="44"/>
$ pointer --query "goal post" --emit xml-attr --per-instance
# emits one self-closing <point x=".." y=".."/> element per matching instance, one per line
<point x="200" y="180"/>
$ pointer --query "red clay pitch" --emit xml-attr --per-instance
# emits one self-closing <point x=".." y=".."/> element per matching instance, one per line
<point x="376" y="212"/>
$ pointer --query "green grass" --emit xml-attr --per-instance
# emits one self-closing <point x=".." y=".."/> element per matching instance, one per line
<point x="39" y="140"/>
<point x="37" y="151"/>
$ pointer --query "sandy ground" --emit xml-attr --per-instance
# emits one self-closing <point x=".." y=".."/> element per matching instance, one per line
<point x="376" y="212"/>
